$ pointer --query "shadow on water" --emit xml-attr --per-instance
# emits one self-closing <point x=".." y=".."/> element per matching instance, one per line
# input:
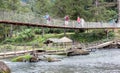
<point x="101" y="61"/>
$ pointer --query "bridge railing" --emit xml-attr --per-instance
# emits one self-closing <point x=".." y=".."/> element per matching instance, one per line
<point x="31" y="18"/>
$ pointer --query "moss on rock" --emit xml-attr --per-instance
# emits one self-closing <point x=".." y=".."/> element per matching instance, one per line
<point x="22" y="58"/>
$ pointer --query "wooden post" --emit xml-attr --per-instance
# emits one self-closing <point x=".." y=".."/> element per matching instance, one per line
<point x="11" y="30"/>
<point x="43" y="32"/>
<point x="24" y="47"/>
<point x="33" y="48"/>
<point x="15" y="50"/>
<point x="64" y="32"/>
<point x="4" y="52"/>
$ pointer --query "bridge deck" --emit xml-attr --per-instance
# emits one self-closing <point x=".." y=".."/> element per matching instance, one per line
<point x="52" y="26"/>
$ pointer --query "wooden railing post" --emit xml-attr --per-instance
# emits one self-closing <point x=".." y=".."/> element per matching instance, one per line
<point x="4" y="52"/>
<point x="15" y="51"/>
<point x="54" y="22"/>
<point x="43" y="32"/>
<point x="33" y="48"/>
<point x="24" y="48"/>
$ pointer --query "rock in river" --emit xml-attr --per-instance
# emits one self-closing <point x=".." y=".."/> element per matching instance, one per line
<point x="76" y="51"/>
<point x="4" y="68"/>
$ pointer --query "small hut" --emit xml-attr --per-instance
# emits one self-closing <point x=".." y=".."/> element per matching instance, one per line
<point x="66" y="41"/>
<point x="63" y="42"/>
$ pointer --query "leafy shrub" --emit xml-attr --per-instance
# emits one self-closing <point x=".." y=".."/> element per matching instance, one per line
<point x="26" y="35"/>
<point x="37" y="31"/>
<point x="9" y="40"/>
<point x="91" y="36"/>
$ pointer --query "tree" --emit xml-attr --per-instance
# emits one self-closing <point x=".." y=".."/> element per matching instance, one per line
<point x="103" y="10"/>
<point x="73" y="8"/>
<point x="9" y="5"/>
<point x="40" y="6"/>
<point x="90" y="10"/>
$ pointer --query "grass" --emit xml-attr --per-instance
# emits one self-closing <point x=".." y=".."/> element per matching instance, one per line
<point x="21" y="58"/>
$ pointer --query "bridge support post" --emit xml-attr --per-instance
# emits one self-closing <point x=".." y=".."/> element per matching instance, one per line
<point x="106" y="32"/>
<point x="64" y="32"/>
<point x="43" y="32"/>
<point x="11" y="30"/>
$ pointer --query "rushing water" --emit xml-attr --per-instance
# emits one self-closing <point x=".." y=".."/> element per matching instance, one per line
<point x="102" y="61"/>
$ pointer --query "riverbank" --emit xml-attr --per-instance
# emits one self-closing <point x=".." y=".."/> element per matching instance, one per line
<point x="103" y="61"/>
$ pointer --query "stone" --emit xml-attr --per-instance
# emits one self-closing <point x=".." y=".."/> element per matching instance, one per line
<point x="34" y="59"/>
<point x="4" y="68"/>
<point x="50" y="59"/>
<point x="76" y="51"/>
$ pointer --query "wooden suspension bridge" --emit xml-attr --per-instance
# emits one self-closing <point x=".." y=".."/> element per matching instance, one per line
<point x="30" y="19"/>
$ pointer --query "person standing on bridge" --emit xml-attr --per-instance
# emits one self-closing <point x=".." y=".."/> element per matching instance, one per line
<point x="66" y="20"/>
<point x="47" y="17"/>
<point x="78" y="20"/>
<point x="82" y="22"/>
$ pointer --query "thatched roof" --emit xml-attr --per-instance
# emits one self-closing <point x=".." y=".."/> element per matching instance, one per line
<point x="65" y="40"/>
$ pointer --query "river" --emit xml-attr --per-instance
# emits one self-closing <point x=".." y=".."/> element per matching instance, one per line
<point x="101" y="61"/>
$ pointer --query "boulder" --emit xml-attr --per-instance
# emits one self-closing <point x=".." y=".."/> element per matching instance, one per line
<point x="4" y="68"/>
<point x="50" y="59"/>
<point x="34" y="59"/>
<point x="76" y="51"/>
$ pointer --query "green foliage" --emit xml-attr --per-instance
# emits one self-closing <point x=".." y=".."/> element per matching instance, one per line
<point x="10" y="4"/>
<point x="86" y="9"/>
<point x="8" y="40"/>
<point x="91" y="36"/>
<point x="21" y="58"/>
<point x="8" y="47"/>
<point x="40" y="6"/>
<point x="26" y="35"/>
<point x="37" y="31"/>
